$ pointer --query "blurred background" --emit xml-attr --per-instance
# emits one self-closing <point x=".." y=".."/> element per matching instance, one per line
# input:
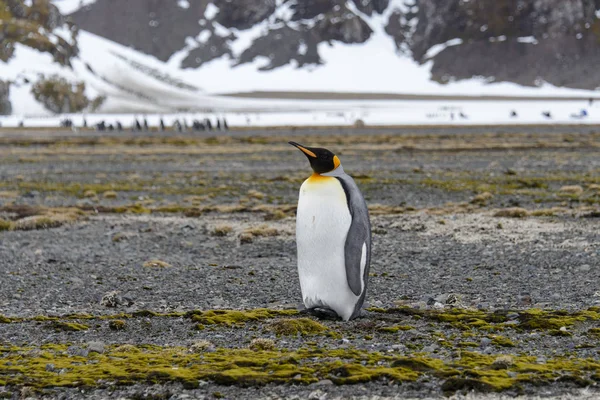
<point x="264" y="62"/>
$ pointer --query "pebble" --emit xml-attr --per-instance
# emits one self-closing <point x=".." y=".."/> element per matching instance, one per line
<point x="584" y="268"/>
<point x="96" y="347"/>
<point x="50" y="367"/>
<point x="512" y="315"/>
<point x="78" y="351"/>
<point x="317" y="395"/>
<point x="324" y="382"/>
<point x="524" y="299"/>
<point x="541" y="360"/>
<point x="430" y="349"/>
<point x="485" y="342"/>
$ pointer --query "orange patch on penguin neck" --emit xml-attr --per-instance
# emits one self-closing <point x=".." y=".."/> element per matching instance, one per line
<point x="318" y="178"/>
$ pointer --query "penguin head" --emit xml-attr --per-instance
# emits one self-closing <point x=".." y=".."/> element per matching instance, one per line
<point x="321" y="160"/>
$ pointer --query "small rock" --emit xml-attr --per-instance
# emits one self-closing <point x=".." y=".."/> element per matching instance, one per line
<point x="584" y="268"/>
<point x="485" y="342"/>
<point x="96" y="347"/>
<point x="524" y="299"/>
<point x="324" y="382"/>
<point x="76" y="282"/>
<point x="50" y="367"/>
<point x="317" y="395"/>
<point x="512" y="316"/>
<point x="77" y="351"/>
<point x="111" y="299"/>
<point x="201" y="346"/>
<point x="430" y="349"/>
<point x="344" y="341"/>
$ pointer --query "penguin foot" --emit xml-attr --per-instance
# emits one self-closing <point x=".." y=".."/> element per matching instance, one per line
<point x="323" y="313"/>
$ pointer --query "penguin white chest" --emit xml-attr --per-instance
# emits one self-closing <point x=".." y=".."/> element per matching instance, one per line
<point x="322" y="224"/>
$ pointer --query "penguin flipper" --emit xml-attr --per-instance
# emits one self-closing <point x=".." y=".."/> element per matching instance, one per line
<point x="356" y="256"/>
<point x="357" y="250"/>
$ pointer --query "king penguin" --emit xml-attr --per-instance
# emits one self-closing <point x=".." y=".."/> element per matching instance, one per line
<point x="333" y="237"/>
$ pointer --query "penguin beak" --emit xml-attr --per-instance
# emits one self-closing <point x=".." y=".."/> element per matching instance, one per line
<point x="303" y="149"/>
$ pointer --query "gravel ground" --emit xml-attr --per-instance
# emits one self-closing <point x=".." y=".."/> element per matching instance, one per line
<point x="207" y="224"/>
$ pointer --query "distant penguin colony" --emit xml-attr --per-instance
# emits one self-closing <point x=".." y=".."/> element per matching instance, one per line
<point x="142" y="125"/>
<point x="333" y="237"/>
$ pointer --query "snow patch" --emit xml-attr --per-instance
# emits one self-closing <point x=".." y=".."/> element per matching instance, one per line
<point x="501" y="38"/>
<point x="210" y="11"/>
<point x="183" y="4"/>
<point x="203" y="36"/>
<point x="67" y="7"/>
<point x="527" y="39"/>
<point x="438" y="48"/>
<point x="302" y="48"/>
<point x="257" y="113"/>
<point x="220" y="30"/>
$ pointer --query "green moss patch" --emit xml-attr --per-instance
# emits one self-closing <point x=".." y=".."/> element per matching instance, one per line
<point x="299" y="326"/>
<point x="69" y="326"/>
<point x="502" y="341"/>
<point x="236" y="317"/>
<point x="468" y="319"/>
<point x="117" y="325"/>
<point x="395" y="328"/>
<point x="127" y="364"/>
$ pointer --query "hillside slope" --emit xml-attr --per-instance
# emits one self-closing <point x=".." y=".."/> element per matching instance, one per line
<point x="153" y="56"/>
<point x="552" y="41"/>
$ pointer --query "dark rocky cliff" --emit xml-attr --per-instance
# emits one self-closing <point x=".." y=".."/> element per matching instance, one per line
<point x="527" y="42"/>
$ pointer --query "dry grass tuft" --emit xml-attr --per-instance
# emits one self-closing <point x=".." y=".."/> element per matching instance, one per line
<point x="200" y="346"/>
<point x="156" y="264"/>
<point x="90" y="193"/>
<point x="126" y="348"/>
<point x="482" y="198"/>
<point x="382" y="209"/>
<point x="255" y="194"/>
<point x="514" y="212"/>
<point x="8" y="195"/>
<point x="504" y="361"/>
<point x="222" y="230"/>
<point x="262" y="344"/>
<point x="110" y="194"/>
<point x="262" y="231"/>
<point x="49" y="218"/>
<point x="5" y="225"/>
<point x="571" y="189"/>
<point x="546" y="212"/>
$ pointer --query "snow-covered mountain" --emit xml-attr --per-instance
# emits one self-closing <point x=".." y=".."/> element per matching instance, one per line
<point x="178" y="55"/>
